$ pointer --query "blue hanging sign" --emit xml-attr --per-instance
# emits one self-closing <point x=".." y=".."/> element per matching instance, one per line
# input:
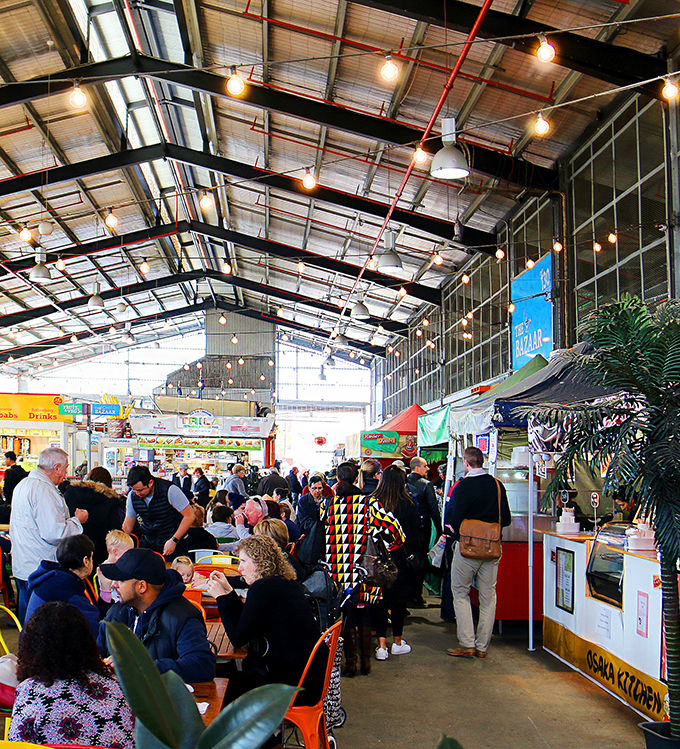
<point x="105" y="409"/>
<point x="532" y="319"/>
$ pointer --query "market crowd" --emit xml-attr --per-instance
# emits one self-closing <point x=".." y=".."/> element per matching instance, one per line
<point x="82" y="556"/>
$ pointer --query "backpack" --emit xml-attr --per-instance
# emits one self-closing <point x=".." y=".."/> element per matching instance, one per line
<point x="323" y="595"/>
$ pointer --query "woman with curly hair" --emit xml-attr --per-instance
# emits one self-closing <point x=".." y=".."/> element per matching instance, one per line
<point x="66" y="693"/>
<point x="275" y="621"/>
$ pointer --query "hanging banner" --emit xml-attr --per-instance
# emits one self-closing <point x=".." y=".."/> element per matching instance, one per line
<point x="202" y="423"/>
<point x="151" y="441"/>
<point x="433" y="429"/>
<point x="32" y="407"/>
<point x="532" y="320"/>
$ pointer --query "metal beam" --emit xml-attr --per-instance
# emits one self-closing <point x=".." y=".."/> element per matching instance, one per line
<point x="140" y="324"/>
<point x="615" y="64"/>
<point x="268" y="247"/>
<point x="486" y="161"/>
<point x="19" y="318"/>
<point x="419" y="221"/>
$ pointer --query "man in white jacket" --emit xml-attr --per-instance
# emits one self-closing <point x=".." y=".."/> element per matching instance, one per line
<point x="40" y="519"/>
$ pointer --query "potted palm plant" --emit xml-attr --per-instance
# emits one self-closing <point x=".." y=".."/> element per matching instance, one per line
<point x="634" y="436"/>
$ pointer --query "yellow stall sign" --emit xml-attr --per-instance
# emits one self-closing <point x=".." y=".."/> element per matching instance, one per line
<point x="31" y="407"/>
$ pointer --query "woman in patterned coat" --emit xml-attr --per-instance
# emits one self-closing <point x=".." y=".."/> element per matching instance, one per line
<point x="66" y="693"/>
<point x="350" y="517"/>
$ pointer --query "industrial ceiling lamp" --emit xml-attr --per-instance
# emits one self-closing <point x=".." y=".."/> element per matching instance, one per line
<point x="95" y="301"/>
<point x="389" y="260"/>
<point x="341" y="340"/>
<point x="39" y="273"/>
<point x="450" y="162"/>
<point x="360" y="312"/>
<point x="45" y="228"/>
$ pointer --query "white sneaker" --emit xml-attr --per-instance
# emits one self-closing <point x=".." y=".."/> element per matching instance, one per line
<point x="401" y="649"/>
<point x="381" y="654"/>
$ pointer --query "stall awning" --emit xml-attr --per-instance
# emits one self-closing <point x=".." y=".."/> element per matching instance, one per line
<point x="405" y="422"/>
<point x="433" y="429"/>
<point x="475" y="416"/>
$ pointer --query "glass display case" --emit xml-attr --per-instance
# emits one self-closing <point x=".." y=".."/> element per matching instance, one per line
<point x="605" y="565"/>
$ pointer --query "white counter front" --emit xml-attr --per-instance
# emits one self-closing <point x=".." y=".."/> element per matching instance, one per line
<point x="620" y="649"/>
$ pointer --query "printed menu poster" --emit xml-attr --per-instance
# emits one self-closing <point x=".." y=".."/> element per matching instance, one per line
<point x="564" y="580"/>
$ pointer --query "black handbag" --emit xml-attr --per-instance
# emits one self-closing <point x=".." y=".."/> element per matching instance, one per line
<point x="310" y="549"/>
<point x="376" y="566"/>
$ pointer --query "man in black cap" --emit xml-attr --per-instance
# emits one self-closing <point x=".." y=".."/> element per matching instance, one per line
<point x="152" y="605"/>
<point x="14" y="473"/>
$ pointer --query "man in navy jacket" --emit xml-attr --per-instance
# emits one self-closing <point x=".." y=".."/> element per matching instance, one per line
<point x="153" y="606"/>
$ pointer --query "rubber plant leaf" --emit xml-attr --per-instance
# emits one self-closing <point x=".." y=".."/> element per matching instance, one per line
<point x="145" y="691"/>
<point x="446" y="742"/>
<point x="249" y="720"/>
<point x="185" y="704"/>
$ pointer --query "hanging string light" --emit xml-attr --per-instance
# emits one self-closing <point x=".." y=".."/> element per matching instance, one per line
<point x="60" y="264"/>
<point x="500" y="253"/>
<point x="511" y="307"/>
<point x="144" y="268"/>
<point x="465" y="278"/>
<point x="437" y="259"/>
<point x="670" y="89"/>
<point x="309" y="181"/>
<point x="301" y="267"/>
<point x="226" y="267"/>
<point x="235" y="84"/>
<point x="77" y="98"/>
<point x="222" y="320"/>
<point x="557" y="246"/>
<point x="597" y="247"/>
<point x="541" y="125"/>
<point x="111" y="220"/>
<point x="426" y="322"/>
<point x="25" y="234"/>
<point x="389" y="70"/>
<point x="420" y="155"/>
<point x="530" y="263"/>
<point x="234" y="339"/>
<point x="206" y="201"/>
<point x="241" y="362"/>
<point x="545" y="51"/>
<point x="611" y="237"/>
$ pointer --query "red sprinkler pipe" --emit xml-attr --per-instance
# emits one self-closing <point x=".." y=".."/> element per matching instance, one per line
<point x="433" y="118"/>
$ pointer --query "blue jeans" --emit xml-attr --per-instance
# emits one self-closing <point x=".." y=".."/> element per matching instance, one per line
<point x="22" y="599"/>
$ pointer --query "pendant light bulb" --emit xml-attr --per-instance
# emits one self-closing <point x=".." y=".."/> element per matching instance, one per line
<point x="112" y="329"/>
<point x="545" y="51"/>
<point x="121" y="307"/>
<point x="235" y="84"/>
<point x="45" y="228"/>
<point x="371" y="264"/>
<point x="420" y="156"/>
<point x="280" y="312"/>
<point x="465" y="279"/>
<point x="285" y="338"/>
<point x="530" y="263"/>
<point x="597" y="247"/>
<point x="308" y="181"/>
<point x="611" y="237"/>
<point x="234" y="339"/>
<point x="60" y="264"/>
<point x="226" y="268"/>
<point x="77" y="98"/>
<point x="111" y="219"/>
<point x="541" y="125"/>
<point x="74" y="338"/>
<point x="558" y="246"/>
<point x="500" y="254"/>
<point x="222" y="320"/>
<point x="25" y="234"/>
<point x="438" y="259"/>
<point x="301" y="267"/>
<point x="205" y="201"/>
<point x="670" y="90"/>
<point x="511" y="307"/>
<point x="389" y="70"/>
<point x="144" y="268"/>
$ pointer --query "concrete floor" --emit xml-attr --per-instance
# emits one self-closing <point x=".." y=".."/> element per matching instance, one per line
<point x="513" y="698"/>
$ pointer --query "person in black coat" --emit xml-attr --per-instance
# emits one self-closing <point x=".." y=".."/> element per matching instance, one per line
<point x="183" y="479"/>
<point x="294" y="484"/>
<point x="394" y="498"/>
<point x="14" y="473"/>
<point x="201" y="488"/>
<point x="197" y="537"/>
<point x="102" y="503"/>
<point x="275" y="621"/>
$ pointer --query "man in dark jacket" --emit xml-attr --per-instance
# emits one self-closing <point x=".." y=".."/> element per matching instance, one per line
<point x="477" y="496"/>
<point x="294" y="484"/>
<point x="64" y="580"/>
<point x="183" y="479"/>
<point x="423" y="493"/>
<point x="14" y="473"/>
<point x="153" y="606"/>
<point x="309" y="506"/>
<point x="271" y="481"/>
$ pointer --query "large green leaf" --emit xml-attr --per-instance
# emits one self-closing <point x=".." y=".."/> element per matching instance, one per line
<point x="185" y="704"/>
<point x="249" y="720"/>
<point x="142" y="685"/>
<point x="446" y="742"/>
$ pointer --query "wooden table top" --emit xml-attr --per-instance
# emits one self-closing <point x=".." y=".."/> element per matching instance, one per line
<point x="225" y="650"/>
<point x="212" y="692"/>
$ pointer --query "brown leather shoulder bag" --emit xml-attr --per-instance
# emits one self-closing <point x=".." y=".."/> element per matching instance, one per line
<point x="480" y="540"/>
